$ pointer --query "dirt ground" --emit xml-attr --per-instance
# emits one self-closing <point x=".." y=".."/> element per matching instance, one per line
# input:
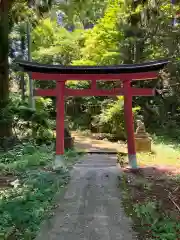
<point x="92" y="144"/>
<point x="152" y="184"/>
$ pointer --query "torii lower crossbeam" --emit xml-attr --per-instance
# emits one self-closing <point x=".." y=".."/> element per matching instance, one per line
<point x="124" y="73"/>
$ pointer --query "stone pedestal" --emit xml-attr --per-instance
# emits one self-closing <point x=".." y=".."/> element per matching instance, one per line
<point x="68" y="140"/>
<point x="142" y="139"/>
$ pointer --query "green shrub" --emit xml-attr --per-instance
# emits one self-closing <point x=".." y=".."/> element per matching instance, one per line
<point x="111" y="119"/>
<point x="36" y="122"/>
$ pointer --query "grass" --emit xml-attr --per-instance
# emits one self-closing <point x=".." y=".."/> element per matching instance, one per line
<point x="161" y="155"/>
<point x="27" y="189"/>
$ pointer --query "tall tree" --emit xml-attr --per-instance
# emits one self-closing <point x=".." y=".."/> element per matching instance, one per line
<point x="6" y="22"/>
<point x="5" y="5"/>
<point x="85" y="12"/>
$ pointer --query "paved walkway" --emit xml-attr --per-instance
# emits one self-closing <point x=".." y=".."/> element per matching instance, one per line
<point x="91" y="207"/>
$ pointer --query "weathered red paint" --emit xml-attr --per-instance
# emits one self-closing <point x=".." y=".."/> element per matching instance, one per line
<point x="94" y="92"/>
<point x="93" y="85"/>
<point x="60" y="118"/>
<point x="45" y="92"/>
<point x="129" y="116"/>
<point x="94" y="77"/>
<point x="142" y="91"/>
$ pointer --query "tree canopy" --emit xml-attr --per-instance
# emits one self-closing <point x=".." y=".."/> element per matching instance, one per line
<point x="96" y="33"/>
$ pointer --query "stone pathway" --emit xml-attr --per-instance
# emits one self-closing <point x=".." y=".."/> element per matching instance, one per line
<point x="90" y="208"/>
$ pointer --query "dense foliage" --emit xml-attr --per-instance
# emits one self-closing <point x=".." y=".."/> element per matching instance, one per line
<point x="126" y="33"/>
<point x="95" y="33"/>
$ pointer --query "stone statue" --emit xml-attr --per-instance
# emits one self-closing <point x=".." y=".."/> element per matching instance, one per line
<point x="140" y="128"/>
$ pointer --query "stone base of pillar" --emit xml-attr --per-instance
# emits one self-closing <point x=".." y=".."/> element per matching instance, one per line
<point x="132" y="161"/>
<point x="59" y="163"/>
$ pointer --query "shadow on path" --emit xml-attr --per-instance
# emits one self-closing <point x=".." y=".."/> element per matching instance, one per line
<point x="91" y="145"/>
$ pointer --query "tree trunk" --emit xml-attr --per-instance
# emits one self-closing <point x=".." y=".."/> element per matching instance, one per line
<point x="22" y="81"/>
<point x="134" y="51"/>
<point x="5" y="127"/>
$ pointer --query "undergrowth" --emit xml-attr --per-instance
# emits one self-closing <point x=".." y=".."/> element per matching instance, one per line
<point x="29" y="198"/>
<point x="160" y="225"/>
<point x="151" y="218"/>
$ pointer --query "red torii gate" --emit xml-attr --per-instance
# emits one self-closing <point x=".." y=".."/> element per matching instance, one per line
<point x="125" y="73"/>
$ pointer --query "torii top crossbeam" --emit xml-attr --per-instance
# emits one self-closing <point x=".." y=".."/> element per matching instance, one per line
<point x="114" y="69"/>
<point x="125" y="73"/>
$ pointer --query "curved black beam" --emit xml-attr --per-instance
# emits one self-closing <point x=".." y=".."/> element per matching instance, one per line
<point x="114" y="69"/>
